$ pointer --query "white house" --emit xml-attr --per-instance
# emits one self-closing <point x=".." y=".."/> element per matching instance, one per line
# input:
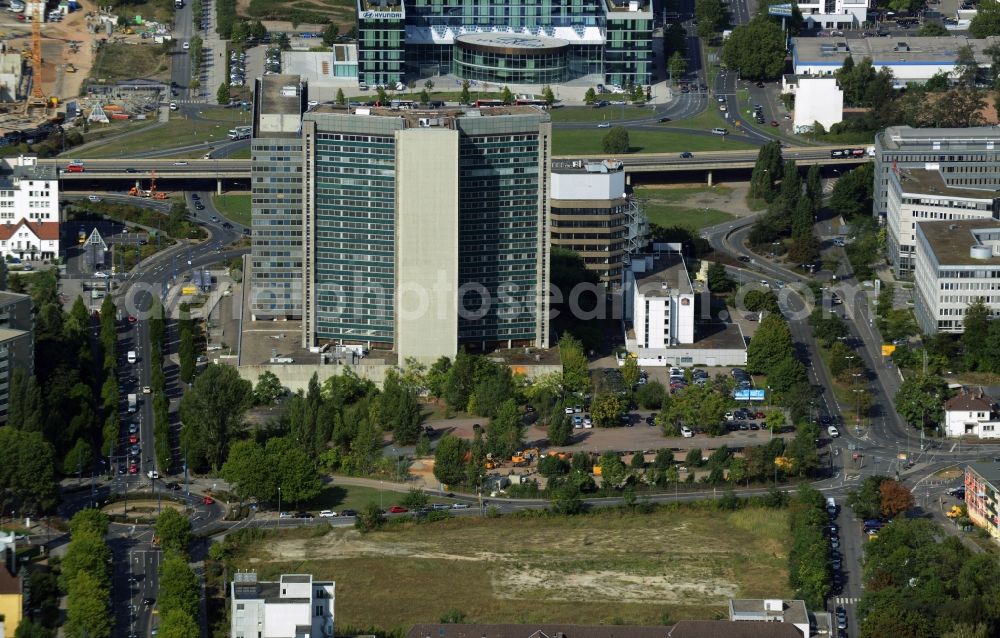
<point x="29" y="240"/>
<point x="817" y="100"/>
<point x="294" y="607"/>
<point x="839" y="14"/>
<point x="971" y="413"/>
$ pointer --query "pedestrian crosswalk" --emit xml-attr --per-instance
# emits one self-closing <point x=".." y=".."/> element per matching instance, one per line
<point x="846" y="600"/>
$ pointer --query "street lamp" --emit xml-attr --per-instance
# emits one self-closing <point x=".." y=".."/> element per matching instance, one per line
<point x="279" y="507"/>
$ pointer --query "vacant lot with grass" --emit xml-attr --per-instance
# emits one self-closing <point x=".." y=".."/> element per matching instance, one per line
<point x="178" y="131"/>
<point x="128" y="61"/>
<point x="607" y="114"/>
<point x="340" y="12"/>
<point x="692" y="208"/>
<point x="601" y="568"/>
<point x="585" y="142"/>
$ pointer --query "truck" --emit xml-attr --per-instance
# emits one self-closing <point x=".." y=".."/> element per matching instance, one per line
<point x="133" y="401"/>
<point x="240" y="133"/>
<point x="132" y="357"/>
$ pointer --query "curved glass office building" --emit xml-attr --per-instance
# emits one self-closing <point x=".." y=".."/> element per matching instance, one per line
<point x="407" y="40"/>
<point x="510" y="59"/>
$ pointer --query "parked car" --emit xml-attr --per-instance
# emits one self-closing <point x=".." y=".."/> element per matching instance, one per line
<point x="348" y="513"/>
<point x="398" y="509"/>
<point x="285" y="515"/>
<point x="207" y="500"/>
<point x="327" y="514"/>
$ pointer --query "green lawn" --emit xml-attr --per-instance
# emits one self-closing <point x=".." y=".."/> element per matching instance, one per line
<point x="585" y="142"/>
<point x="235" y="207"/>
<point x="177" y="132"/>
<point x="584" y="569"/>
<point x="606" y="114"/>
<point x="667" y="207"/>
<point x="243" y="153"/>
<point x="339" y="497"/>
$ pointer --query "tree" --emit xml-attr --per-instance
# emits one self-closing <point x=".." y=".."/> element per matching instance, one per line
<point x="651" y="396"/>
<point x="766" y="172"/>
<point x="504" y="433"/>
<point x="370" y="518"/>
<point x="896" y="498"/>
<point x="222" y="95"/>
<point x="709" y="15"/>
<point x="551" y="466"/>
<point x="178" y="585"/>
<point x="756" y="49"/>
<point x="866" y="501"/>
<point x="693" y="457"/>
<point x="449" y="460"/>
<point x="79" y="458"/>
<point x="986" y="22"/>
<point x="330" y="34"/>
<point x="25" y="411"/>
<point x="802" y="450"/>
<point x="606" y="410"/>
<point x="506" y="96"/>
<point x="257" y="30"/>
<point x="566" y="500"/>
<point x="718" y="279"/>
<point x="559" y="431"/>
<point x="852" y="194"/>
<point x="590" y="96"/>
<point x="425" y="97"/>
<point x="630" y="372"/>
<point x="920" y="400"/>
<point x="932" y="29"/>
<point x="576" y="377"/>
<point x="212" y="414"/>
<point x="87" y="613"/>
<point x="465" y="97"/>
<point x="770" y="345"/>
<point x="292" y="469"/>
<point x="613" y="471"/>
<point x="86" y="553"/>
<point x="677" y="65"/>
<point x="548" y="96"/>
<point x="341" y="99"/>
<point x="400" y="410"/>
<point x="186" y="352"/>
<point x="786" y="373"/>
<point x="89" y="520"/>
<point x="268" y="389"/>
<point x="174" y="530"/>
<point x="177" y="624"/>
<point x="616" y="140"/>
<point x="414" y="499"/>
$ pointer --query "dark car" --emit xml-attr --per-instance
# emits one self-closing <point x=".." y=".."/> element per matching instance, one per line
<point x="744" y="259"/>
<point x="199" y="206"/>
<point x="172" y="486"/>
<point x="664" y="119"/>
<point x="148" y="601"/>
<point x="304" y="515"/>
<point x="348" y="513"/>
<point x="131" y="170"/>
<point x="227" y="225"/>
<point x="195" y="196"/>
<point x="686" y="155"/>
<point x="760" y="85"/>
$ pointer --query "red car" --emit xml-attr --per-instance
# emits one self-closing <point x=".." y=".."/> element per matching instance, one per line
<point x="760" y="415"/>
<point x="774" y="122"/>
<point x="397" y="509"/>
<point x="133" y="469"/>
<point x="132" y="319"/>
<point x="133" y="439"/>
<point x="74" y="168"/>
<point x="208" y="500"/>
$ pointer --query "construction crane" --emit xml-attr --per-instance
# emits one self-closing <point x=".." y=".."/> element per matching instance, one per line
<point x="37" y="97"/>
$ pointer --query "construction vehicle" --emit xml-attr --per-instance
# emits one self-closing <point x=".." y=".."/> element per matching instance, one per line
<point x="137" y="191"/>
<point x="955" y="512"/>
<point x="37" y="97"/>
<point x="70" y="68"/>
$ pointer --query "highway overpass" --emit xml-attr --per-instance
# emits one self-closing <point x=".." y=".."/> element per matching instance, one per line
<point x="170" y="172"/>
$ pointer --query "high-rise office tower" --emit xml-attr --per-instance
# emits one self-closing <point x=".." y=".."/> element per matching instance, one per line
<point x="276" y="198"/>
<point x="425" y="231"/>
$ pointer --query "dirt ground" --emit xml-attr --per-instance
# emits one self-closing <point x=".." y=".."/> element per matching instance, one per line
<point x="730" y="198"/>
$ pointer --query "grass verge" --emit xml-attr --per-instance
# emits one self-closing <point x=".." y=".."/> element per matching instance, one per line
<point x="577" y="142"/>
<point x="535" y="569"/>
<point x="606" y="114"/>
<point x="235" y="207"/>
<point x="128" y="61"/>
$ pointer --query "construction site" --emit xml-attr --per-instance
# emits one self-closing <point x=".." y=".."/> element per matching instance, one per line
<point x="47" y="53"/>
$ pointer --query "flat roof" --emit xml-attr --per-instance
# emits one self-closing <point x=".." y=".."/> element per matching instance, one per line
<point x="6" y="334"/>
<point x="950" y="241"/>
<point x="989" y="471"/>
<point x="296" y="578"/>
<point x="900" y="137"/>
<point x="272" y="99"/>
<point x="584" y="166"/>
<point x="414" y="115"/>
<point x="535" y="631"/>
<point x="887" y="51"/>
<point x="924" y="181"/>
<point x="792" y="611"/>
<point x="7" y="297"/>
<point x="668" y="277"/>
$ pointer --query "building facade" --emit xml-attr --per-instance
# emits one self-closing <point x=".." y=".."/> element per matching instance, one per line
<point x="595" y="215"/>
<point x="503" y="42"/>
<point x="17" y="342"/>
<point x="964" y="157"/>
<point x="971" y="413"/>
<point x="922" y="194"/>
<point x="982" y="496"/>
<point x="957" y="263"/>
<point x="839" y="14"/>
<point x="659" y="293"/>
<point x="276" y="198"/>
<point x="424" y="231"/>
<point x="294" y="607"/>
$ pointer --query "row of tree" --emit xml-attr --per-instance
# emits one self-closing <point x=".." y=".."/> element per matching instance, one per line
<point x="157" y="325"/>
<point x="809" y="555"/>
<point x="86" y="577"/>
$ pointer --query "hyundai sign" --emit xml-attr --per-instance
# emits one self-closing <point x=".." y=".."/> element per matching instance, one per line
<point x="780" y="10"/>
<point x="748" y="395"/>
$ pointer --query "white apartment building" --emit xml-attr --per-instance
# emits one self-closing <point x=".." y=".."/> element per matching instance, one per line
<point x="28" y="191"/>
<point x="971" y="413"/>
<point x="662" y="301"/>
<point x="839" y="14"/>
<point x="294" y="607"/>
<point x="956" y="264"/>
<point x="921" y="194"/>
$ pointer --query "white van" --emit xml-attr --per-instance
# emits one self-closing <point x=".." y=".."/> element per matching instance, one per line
<point x="833" y="431"/>
<point x="720" y="131"/>
<point x="686" y="432"/>
<point x="831" y="506"/>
